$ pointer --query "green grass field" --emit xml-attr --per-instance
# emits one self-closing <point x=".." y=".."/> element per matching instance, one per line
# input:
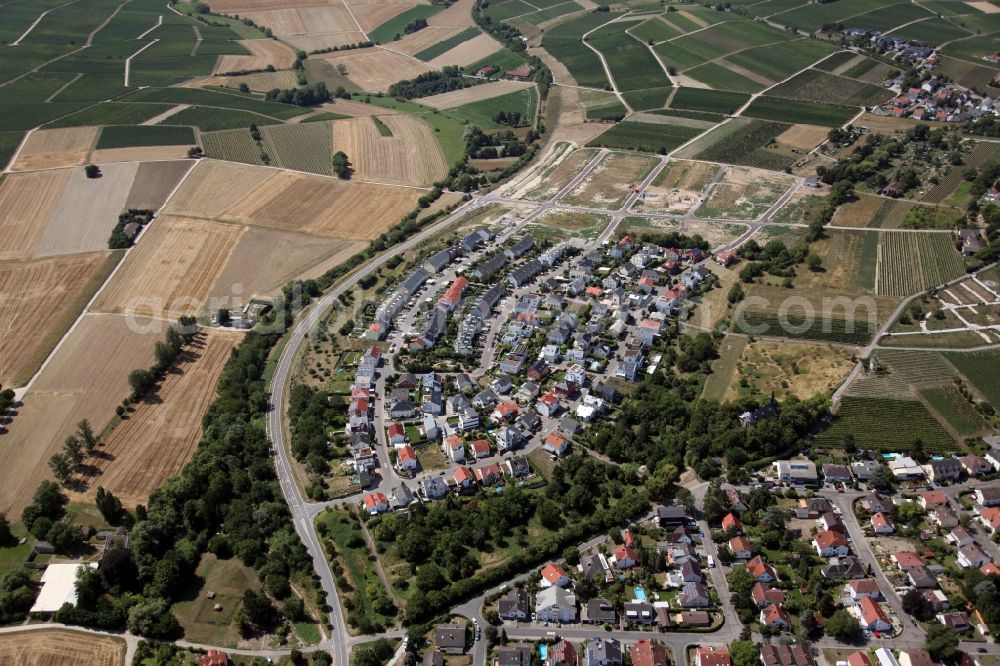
<point x="645" y="137"/>
<point x="980" y="369"/>
<point x="128" y="136"/>
<point x="482" y="113"/>
<point x="793" y="111"/>
<point x="394" y="26"/>
<point x="209" y="120"/>
<point x="712" y="101"/>
<point x="446" y="45"/>
<point x="885" y="424"/>
<point x="564" y="43"/>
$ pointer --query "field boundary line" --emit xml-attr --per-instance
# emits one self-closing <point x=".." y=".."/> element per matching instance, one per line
<point x="63" y="87"/>
<point x="355" y="19"/>
<point x="128" y="61"/>
<point x="156" y="120"/>
<point x="17" y="152"/>
<point x="604" y="62"/>
<point x="21" y="391"/>
<point x="156" y="25"/>
<point x="197" y="42"/>
<point x="38" y="20"/>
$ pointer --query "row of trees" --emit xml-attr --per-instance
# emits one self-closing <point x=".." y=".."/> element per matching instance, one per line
<point x="78" y="446"/>
<point x="309" y="95"/>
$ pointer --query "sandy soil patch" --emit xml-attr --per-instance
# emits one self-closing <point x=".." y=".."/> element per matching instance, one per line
<point x="26" y="203"/>
<point x="678" y="187"/>
<point x="803" y="137"/>
<point x="458" y="14"/>
<point x="416" y="42"/>
<point x="171" y="270"/>
<point x="985" y="7"/>
<point x="44" y="149"/>
<point x="38" y="300"/>
<point x="550" y="174"/>
<point x="411" y="156"/>
<point x="85" y="379"/>
<point x="87" y="211"/>
<point x="264" y="52"/>
<point x="139" y="154"/>
<point x="450" y="100"/>
<point x="154" y="181"/>
<point x="466" y="53"/>
<point x="157" y="440"/>
<point x="607" y="185"/>
<point x="744" y="194"/>
<point x="52" y="647"/>
<point x="688" y="82"/>
<point x="374" y="70"/>
<point x="790" y="368"/>
<point x="372" y="16"/>
<point x="264" y="260"/>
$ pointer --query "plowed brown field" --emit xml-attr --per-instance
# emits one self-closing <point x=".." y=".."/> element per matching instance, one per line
<point x="157" y="440"/>
<point x="39" y="299"/>
<point x="60" y="647"/>
<point x="44" y="149"/>
<point x="26" y="202"/>
<point x="170" y="272"/>
<point x="154" y="181"/>
<point x="411" y="156"/>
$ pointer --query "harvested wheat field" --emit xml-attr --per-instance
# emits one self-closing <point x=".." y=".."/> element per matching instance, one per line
<point x="139" y="154"/>
<point x="45" y="149"/>
<point x="318" y="205"/>
<point x="264" y="52"/>
<point x="158" y="439"/>
<point x="457" y="14"/>
<point x="351" y="108"/>
<point x="171" y="271"/>
<point x="241" y="7"/>
<point x="264" y="260"/>
<point x="86" y="378"/>
<point x="263" y="81"/>
<point x="455" y="98"/>
<point x="372" y="16"/>
<point x="26" y="203"/>
<point x="154" y="181"/>
<point x="215" y="187"/>
<point x="374" y="70"/>
<point x="87" y="211"/>
<point x="325" y="40"/>
<point x="411" y="156"/>
<point x="468" y="52"/>
<point x="60" y="647"/>
<point x="858" y="213"/>
<point x="415" y="42"/>
<point x="39" y="300"/>
<point x="607" y="186"/>
<point x="803" y="137"/>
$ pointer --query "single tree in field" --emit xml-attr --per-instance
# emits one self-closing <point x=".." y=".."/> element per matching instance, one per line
<point x="87" y="437"/>
<point x="341" y="165"/>
<point x="92" y="171"/>
<point x="73" y="449"/>
<point x="60" y="467"/>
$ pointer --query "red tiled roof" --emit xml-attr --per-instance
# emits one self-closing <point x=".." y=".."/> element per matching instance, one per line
<point x="373" y="500"/>
<point x="871" y="611"/>
<point x="552" y="572"/>
<point x="711" y="656"/>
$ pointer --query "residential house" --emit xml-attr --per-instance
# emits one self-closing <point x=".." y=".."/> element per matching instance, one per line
<point x="555" y="604"/>
<point x="515" y="605"/>
<point x="648" y="653"/>
<point x="960" y="537"/>
<point x="813" y="507"/>
<point x="905" y="468"/>
<point x="837" y="473"/>
<point x="958" y="621"/>
<point x="406" y="459"/>
<point x="740" y="548"/>
<point x="555" y="444"/>
<point x="599" y="611"/>
<point x="907" y="559"/>
<point x="831" y="521"/>
<point x="434" y="487"/>
<point x="548" y="405"/>
<point x="481" y="449"/>
<point x="944" y="469"/>
<point x="517" y="466"/>
<point x="785" y="655"/>
<point x="450" y="638"/>
<point x="872" y="503"/>
<point x="507" y="439"/>
<point x="694" y="595"/>
<point x="932" y="499"/>
<point x="699" y="619"/>
<point x="397" y="434"/>
<point x="767" y="596"/>
<point x="430" y="427"/>
<point x="562" y="654"/>
<point x="553" y="574"/>
<point x="639" y="612"/>
<point x="518" y="250"/>
<point x="863" y="469"/>
<point x="604" y="652"/>
<point x="943" y="516"/>
<point x="795" y="471"/>
<point x="761" y="571"/>
<point x="489" y="475"/>
<point x="915" y="658"/>
<point x="871" y="615"/>
<point x="690" y="572"/>
<point x="463" y="479"/>
<point x="376" y="503"/>
<point x="519" y="654"/>
<point x="455" y="448"/>
<point x="865" y="587"/>
<point x="882" y="524"/>
<point x="712" y="656"/>
<point x="921" y="578"/>
<point x="672" y="516"/>
<point x="775" y="617"/>
<point x="831" y="543"/>
<point x="971" y="556"/>
<point x="990" y="518"/>
<point x="732" y="524"/>
<point x="735" y="499"/>
<point x="976" y="465"/>
<point x="988" y="496"/>
<point x="624" y="557"/>
<point x="844" y="568"/>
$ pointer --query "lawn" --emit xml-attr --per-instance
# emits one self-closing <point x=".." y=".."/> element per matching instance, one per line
<point x="228" y="579"/>
<point x="127" y="136"/>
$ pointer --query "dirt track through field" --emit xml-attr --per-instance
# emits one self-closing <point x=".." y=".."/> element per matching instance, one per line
<point x="44" y="149"/>
<point x="455" y="98"/>
<point x="171" y="270"/>
<point x="411" y="156"/>
<point x="85" y="379"/>
<point x="158" y="439"/>
<point x="35" y="295"/>
<point x="59" y="647"/>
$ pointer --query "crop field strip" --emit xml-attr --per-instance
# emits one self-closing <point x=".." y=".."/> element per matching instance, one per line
<point x="564" y="42"/>
<point x="745" y="144"/>
<point x="913" y="262"/>
<point x="905" y="371"/>
<point x="645" y="137"/>
<point x="300" y="147"/>
<point x="793" y="111"/>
